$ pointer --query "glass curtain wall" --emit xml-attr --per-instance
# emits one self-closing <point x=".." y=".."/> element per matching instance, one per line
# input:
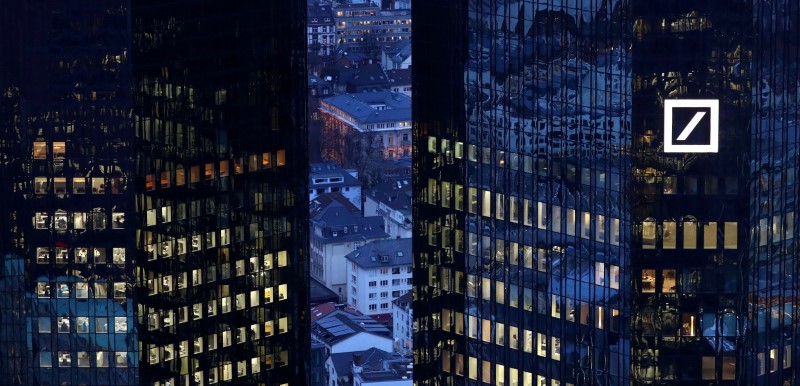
<point x="690" y="256"/>
<point x="521" y="242"/>
<point x="222" y="170"/>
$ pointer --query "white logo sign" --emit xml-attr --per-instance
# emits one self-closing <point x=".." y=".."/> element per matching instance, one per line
<point x="691" y="126"/>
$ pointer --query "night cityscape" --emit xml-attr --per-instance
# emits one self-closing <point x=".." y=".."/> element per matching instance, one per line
<point x="312" y="192"/>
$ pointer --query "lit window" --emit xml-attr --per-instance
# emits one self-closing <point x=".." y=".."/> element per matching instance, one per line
<point x="730" y="237"/>
<point x="670" y="235"/>
<point x="648" y="280"/>
<point x="648" y="235"/>
<point x="709" y="368"/>
<point x="79" y="185"/>
<point x="40" y="185"/>
<point x="59" y="150"/>
<point x="689" y="235"/>
<point x="710" y="235"/>
<point x="39" y="150"/>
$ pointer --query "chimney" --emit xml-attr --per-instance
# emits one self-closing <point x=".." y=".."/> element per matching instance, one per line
<point x="356" y="359"/>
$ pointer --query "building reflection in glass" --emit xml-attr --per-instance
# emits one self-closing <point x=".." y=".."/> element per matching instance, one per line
<point x="522" y="246"/>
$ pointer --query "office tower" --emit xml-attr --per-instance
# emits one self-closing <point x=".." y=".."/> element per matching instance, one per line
<point x="578" y="220"/>
<point x="219" y="117"/>
<point x="153" y="177"/>
<point x="520" y="185"/>
<point x="68" y="194"/>
<point x="689" y="315"/>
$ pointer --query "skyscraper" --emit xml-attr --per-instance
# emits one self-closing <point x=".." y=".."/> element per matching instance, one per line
<point x="155" y="159"/>
<point x="605" y="192"/>
<point x="68" y="244"/>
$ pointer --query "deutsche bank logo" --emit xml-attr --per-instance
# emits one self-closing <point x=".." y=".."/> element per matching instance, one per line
<point x="691" y="125"/>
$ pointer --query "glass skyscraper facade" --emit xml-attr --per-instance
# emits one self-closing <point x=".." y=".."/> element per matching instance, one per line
<point x="68" y="243"/>
<point x="559" y="239"/>
<point x="154" y="172"/>
<point x="219" y="112"/>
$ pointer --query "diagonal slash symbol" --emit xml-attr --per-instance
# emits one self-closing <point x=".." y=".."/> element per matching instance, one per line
<point x="691" y="125"/>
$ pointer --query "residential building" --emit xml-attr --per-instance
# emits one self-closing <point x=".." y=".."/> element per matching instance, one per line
<point x="344" y="332"/>
<point x="134" y="260"/>
<point x="562" y="233"/>
<point x="396" y="55"/>
<point x="400" y="81"/>
<point x="367" y="126"/>
<point x="399" y="168"/>
<point x="321" y="28"/>
<point x="323" y="200"/>
<point x="370" y="367"/>
<point x="391" y="200"/>
<point x="335" y="232"/>
<point x="399" y="4"/>
<point x="403" y="324"/>
<point x="318" y="357"/>
<point x="368" y="78"/>
<point x="327" y="177"/>
<point x="378" y="272"/>
<point x="366" y="28"/>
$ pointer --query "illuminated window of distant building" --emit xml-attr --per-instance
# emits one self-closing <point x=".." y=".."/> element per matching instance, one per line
<point x="40" y="150"/>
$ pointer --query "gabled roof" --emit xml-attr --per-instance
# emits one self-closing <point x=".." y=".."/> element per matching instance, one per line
<point x="396" y="47"/>
<point x="404" y="301"/>
<point x="322" y="310"/>
<point x="398" y="77"/>
<point x="382" y="253"/>
<point x="368" y="75"/>
<point x="394" y="193"/>
<point x="372" y="358"/>
<point x="340" y="325"/>
<point x="337" y="219"/>
<point x="323" y="200"/>
<point x="319" y="11"/>
<point x="319" y="294"/>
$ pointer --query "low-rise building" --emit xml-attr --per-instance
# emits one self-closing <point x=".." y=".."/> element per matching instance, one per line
<point x="400" y="81"/>
<point x="402" y="324"/>
<point x="370" y="367"/>
<point x="368" y="78"/>
<point x="344" y="332"/>
<point x="335" y="232"/>
<point x="396" y="55"/>
<point x="358" y="125"/>
<point x="328" y="177"/>
<point x="378" y="273"/>
<point x="321" y="28"/>
<point x="391" y="200"/>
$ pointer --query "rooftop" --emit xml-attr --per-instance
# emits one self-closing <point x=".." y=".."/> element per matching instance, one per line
<point x="404" y="301"/>
<point x="369" y="74"/>
<point x="372" y="107"/>
<point x="320" y="294"/>
<point x="394" y="193"/>
<point x="320" y="11"/>
<point x="322" y="310"/>
<point x="323" y="200"/>
<point x="340" y="325"/>
<point x="375" y="364"/>
<point x="382" y="253"/>
<point x="402" y="76"/>
<point x="339" y="223"/>
<point x="330" y="174"/>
